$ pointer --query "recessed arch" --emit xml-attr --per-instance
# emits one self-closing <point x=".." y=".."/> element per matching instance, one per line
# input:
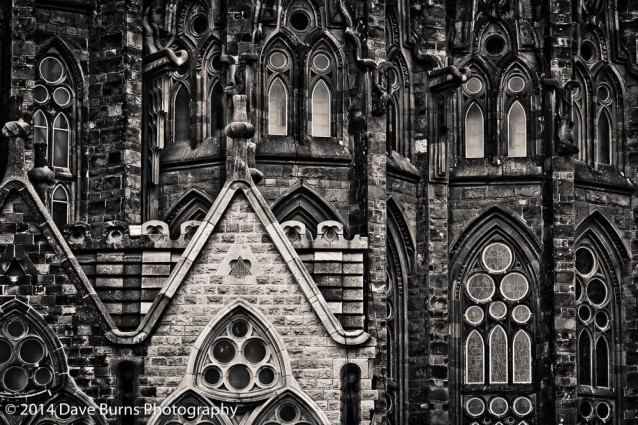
<point x="306" y="406"/>
<point x="61" y="142"/>
<point x="192" y="205"/>
<point x="517" y="130"/>
<point x="474" y="132"/>
<point x="60" y="206"/>
<point x="303" y="203"/>
<point x="277" y="108"/>
<point x="321" y="99"/>
<point x="188" y="397"/>
<point x="604" y="139"/>
<point x="181" y="113"/>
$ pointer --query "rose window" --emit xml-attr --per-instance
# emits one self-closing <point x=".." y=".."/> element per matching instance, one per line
<point x="239" y="359"/>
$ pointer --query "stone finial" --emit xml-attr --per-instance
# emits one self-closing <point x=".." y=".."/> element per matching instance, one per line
<point x="240" y="130"/>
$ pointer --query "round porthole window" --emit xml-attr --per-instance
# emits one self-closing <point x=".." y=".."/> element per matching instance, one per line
<point x="494" y="45"/>
<point x="603" y="93"/>
<point x="321" y="62"/>
<point x="474" y="85"/>
<point x="480" y="287"/>
<point x="475" y="406"/>
<point x="299" y="20"/>
<point x="278" y="60"/>
<point x="588" y="51"/>
<point x="497" y="257"/>
<point x="200" y="24"/>
<point x="516" y="84"/>
<point x="51" y="70"/>
<point x="62" y="96"/>
<point x="40" y="94"/>
<point x="474" y="315"/>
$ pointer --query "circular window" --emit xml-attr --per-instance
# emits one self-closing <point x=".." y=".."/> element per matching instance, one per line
<point x="321" y="62"/>
<point x="299" y="20"/>
<point x="43" y="376"/>
<point x="474" y="85"/>
<point x="212" y="375"/>
<point x="16" y="329"/>
<point x="393" y="77"/>
<point x="474" y="315"/>
<point x="586" y="409"/>
<point x="603" y="93"/>
<point x="516" y="84"/>
<point x="239" y="377"/>
<point x="514" y="286"/>
<point x="51" y="70"/>
<point x="278" y="60"/>
<point x="200" y="24"/>
<point x="494" y="45"/>
<point x="5" y="351"/>
<point x="480" y="287"/>
<point x="497" y="257"/>
<point x="521" y="314"/>
<point x="239" y="328"/>
<point x="62" y="96"/>
<point x="255" y="351"/>
<point x="287" y="413"/>
<point x="216" y="63"/>
<point x="31" y="350"/>
<point x="584" y="261"/>
<point x="603" y="411"/>
<point x="588" y="50"/>
<point x="224" y="351"/>
<point x="190" y="412"/>
<point x="522" y="406"/>
<point x="584" y="313"/>
<point x="40" y="94"/>
<point x="597" y="291"/>
<point x="15" y="379"/>
<point x="475" y="406"/>
<point x="266" y="375"/>
<point x="498" y="406"/>
<point x="602" y="320"/>
<point x="498" y="310"/>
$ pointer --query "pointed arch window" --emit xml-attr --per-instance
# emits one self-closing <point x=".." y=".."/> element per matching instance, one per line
<point x="277" y="108"/>
<point x="584" y="358"/>
<point x="321" y="110"/>
<point x="577" y="132"/>
<point x="217" y="111"/>
<point x="497" y="333"/>
<point x="181" y="114"/>
<point x="517" y="131"/>
<point x="474" y="132"/>
<point x="602" y="363"/>
<point x="60" y="206"/>
<point x="603" y="151"/>
<point x="61" y="141"/>
<point x="391" y="128"/>
<point x="40" y="128"/>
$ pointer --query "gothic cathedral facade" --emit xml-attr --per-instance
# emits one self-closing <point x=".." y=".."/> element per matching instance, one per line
<point x="318" y="212"/>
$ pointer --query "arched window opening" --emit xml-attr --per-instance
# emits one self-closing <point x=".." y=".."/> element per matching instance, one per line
<point x="127" y="384"/>
<point x="602" y="363"/>
<point x="181" y="115"/>
<point x="391" y="128"/>
<point x="475" y="359"/>
<point x="321" y="110"/>
<point x="350" y="394"/>
<point x="498" y="356"/>
<point x="522" y="357"/>
<point x="474" y="132"/>
<point x="61" y="141"/>
<point x="60" y="206"/>
<point x="517" y="131"/>
<point x="217" y="111"/>
<point x="278" y="109"/>
<point x="584" y="359"/>
<point x="579" y="139"/>
<point x="603" y="155"/>
<point x="40" y="128"/>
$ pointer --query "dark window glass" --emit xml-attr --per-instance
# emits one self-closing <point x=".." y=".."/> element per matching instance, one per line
<point x="584" y="359"/>
<point x="182" y="115"/>
<point x="217" y="111"/>
<point x="604" y="140"/>
<point x="602" y="363"/>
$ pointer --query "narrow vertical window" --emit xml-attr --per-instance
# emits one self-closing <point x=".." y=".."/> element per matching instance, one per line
<point x="579" y="139"/>
<point x="475" y="359"/>
<point x="217" y="111"/>
<point x="603" y="155"/>
<point x="181" y="115"/>
<point x="350" y="394"/>
<point x="61" y="137"/>
<point x="584" y="359"/>
<point x="277" y="109"/>
<point x="60" y="206"/>
<point x="391" y="131"/>
<point x="522" y="356"/>
<point x="127" y="377"/>
<point x="474" y="133"/>
<point x="498" y="356"/>
<point x="321" y="110"/>
<point x="40" y="128"/>
<point x="517" y="131"/>
<point x="602" y="363"/>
